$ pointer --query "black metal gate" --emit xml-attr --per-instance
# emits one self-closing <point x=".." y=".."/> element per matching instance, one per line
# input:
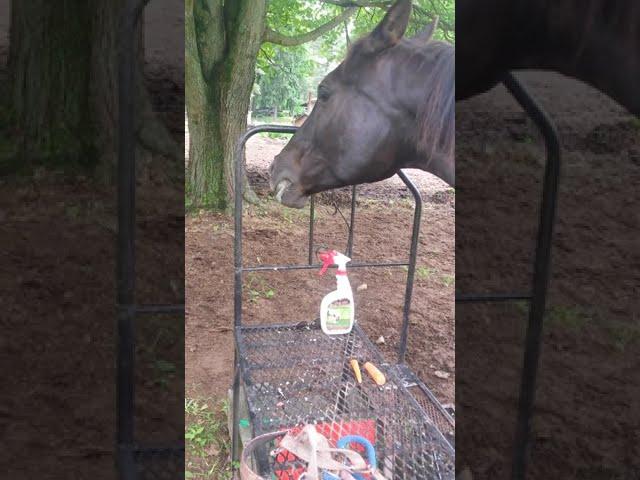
<point x="414" y="433"/>
<point x="134" y="461"/>
<point x="542" y="266"/>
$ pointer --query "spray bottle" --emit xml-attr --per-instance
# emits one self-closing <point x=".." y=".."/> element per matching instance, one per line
<point x="337" y="310"/>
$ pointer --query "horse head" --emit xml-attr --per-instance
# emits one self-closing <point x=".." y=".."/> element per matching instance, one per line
<point x="388" y="105"/>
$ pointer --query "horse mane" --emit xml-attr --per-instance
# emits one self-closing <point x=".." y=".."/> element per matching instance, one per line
<point x="436" y="113"/>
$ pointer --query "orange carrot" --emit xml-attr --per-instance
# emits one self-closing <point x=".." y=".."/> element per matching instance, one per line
<point x="376" y="374"/>
<point x="356" y="370"/>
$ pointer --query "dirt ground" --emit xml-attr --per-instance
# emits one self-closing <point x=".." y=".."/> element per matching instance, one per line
<point x="591" y="341"/>
<point x="57" y="288"/>
<point x="276" y="234"/>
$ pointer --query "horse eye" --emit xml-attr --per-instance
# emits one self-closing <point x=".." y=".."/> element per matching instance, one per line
<point x="323" y="94"/>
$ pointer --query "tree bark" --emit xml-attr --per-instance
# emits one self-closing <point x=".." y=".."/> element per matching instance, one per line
<point x="286" y="41"/>
<point x="64" y="79"/>
<point x="205" y="181"/>
<point x="49" y="49"/>
<point x="222" y="44"/>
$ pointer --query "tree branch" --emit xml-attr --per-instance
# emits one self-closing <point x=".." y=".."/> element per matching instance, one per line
<point x="291" y="41"/>
<point x="446" y="27"/>
<point x="359" y="3"/>
<point x="209" y="34"/>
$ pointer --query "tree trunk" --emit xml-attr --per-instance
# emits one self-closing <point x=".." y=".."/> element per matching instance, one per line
<point x="64" y="80"/>
<point x="205" y="185"/>
<point x="222" y="44"/>
<point x="50" y="48"/>
<point x="222" y="40"/>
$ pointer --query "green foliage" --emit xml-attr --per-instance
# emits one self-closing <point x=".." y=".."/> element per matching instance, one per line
<point x="423" y="273"/>
<point x="568" y="317"/>
<point x="285" y="75"/>
<point x="258" y="288"/>
<point x="207" y="440"/>
<point x="448" y="280"/>
<point x="282" y="78"/>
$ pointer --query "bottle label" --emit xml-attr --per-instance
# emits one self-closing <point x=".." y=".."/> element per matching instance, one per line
<point x="339" y="314"/>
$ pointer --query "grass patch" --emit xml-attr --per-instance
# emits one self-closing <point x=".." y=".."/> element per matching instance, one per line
<point x="257" y="287"/>
<point x="569" y="317"/>
<point x="576" y="318"/>
<point x="623" y="336"/>
<point x="158" y="339"/>
<point x="423" y="273"/>
<point x="294" y="215"/>
<point x="562" y="316"/>
<point x="448" y="280"/>
<point x="163" y="372"/>
<point x="207" y="440"/>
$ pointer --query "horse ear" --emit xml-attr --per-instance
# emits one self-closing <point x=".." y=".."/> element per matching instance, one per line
<point x="427" y="34"/>
<point x="391" y="29"/>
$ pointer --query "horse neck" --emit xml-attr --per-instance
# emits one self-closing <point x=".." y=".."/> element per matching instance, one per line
<point x="596" y="41"/>
<point x="418" y="87"/>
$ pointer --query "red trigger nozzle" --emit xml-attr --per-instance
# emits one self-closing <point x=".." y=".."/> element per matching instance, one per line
<point x="327" y="261"/>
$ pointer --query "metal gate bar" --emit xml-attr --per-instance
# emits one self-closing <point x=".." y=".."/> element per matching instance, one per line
<point x="239" y="269"/>
<point x="541" y="273"/>
<point x="130" y="455"/>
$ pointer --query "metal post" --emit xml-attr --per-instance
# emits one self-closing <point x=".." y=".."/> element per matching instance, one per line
<point x="351" y="221"/>
<point x="411" y="269"/>
<point x="237" y="261"/>
<point x="235" y="428"/>
<point x="237" y="244"/>
<point x="125" y="246"/>
<point x="542" y="268"/>
<point x="237" y="212"/>
<point x="312" y="214"/>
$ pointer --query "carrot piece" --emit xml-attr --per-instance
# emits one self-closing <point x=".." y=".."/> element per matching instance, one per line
<point x="356" y="370"/>
<point x="376" y="374"/>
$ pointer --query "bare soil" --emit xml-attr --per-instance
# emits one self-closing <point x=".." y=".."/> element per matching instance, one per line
<point x="586" y="424"/>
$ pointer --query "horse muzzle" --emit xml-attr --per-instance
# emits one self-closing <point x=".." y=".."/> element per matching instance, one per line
<point x="285" y="189"/>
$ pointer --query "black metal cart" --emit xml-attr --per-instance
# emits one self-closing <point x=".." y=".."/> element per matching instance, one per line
<point x="314" y="384"/>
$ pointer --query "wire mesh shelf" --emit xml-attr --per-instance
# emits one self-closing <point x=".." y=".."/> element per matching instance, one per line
<point x="296" y="375"/>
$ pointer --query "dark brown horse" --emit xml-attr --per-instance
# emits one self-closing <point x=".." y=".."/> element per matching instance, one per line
<point x="596" y="41"/>
<point x="388" y="105"/>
